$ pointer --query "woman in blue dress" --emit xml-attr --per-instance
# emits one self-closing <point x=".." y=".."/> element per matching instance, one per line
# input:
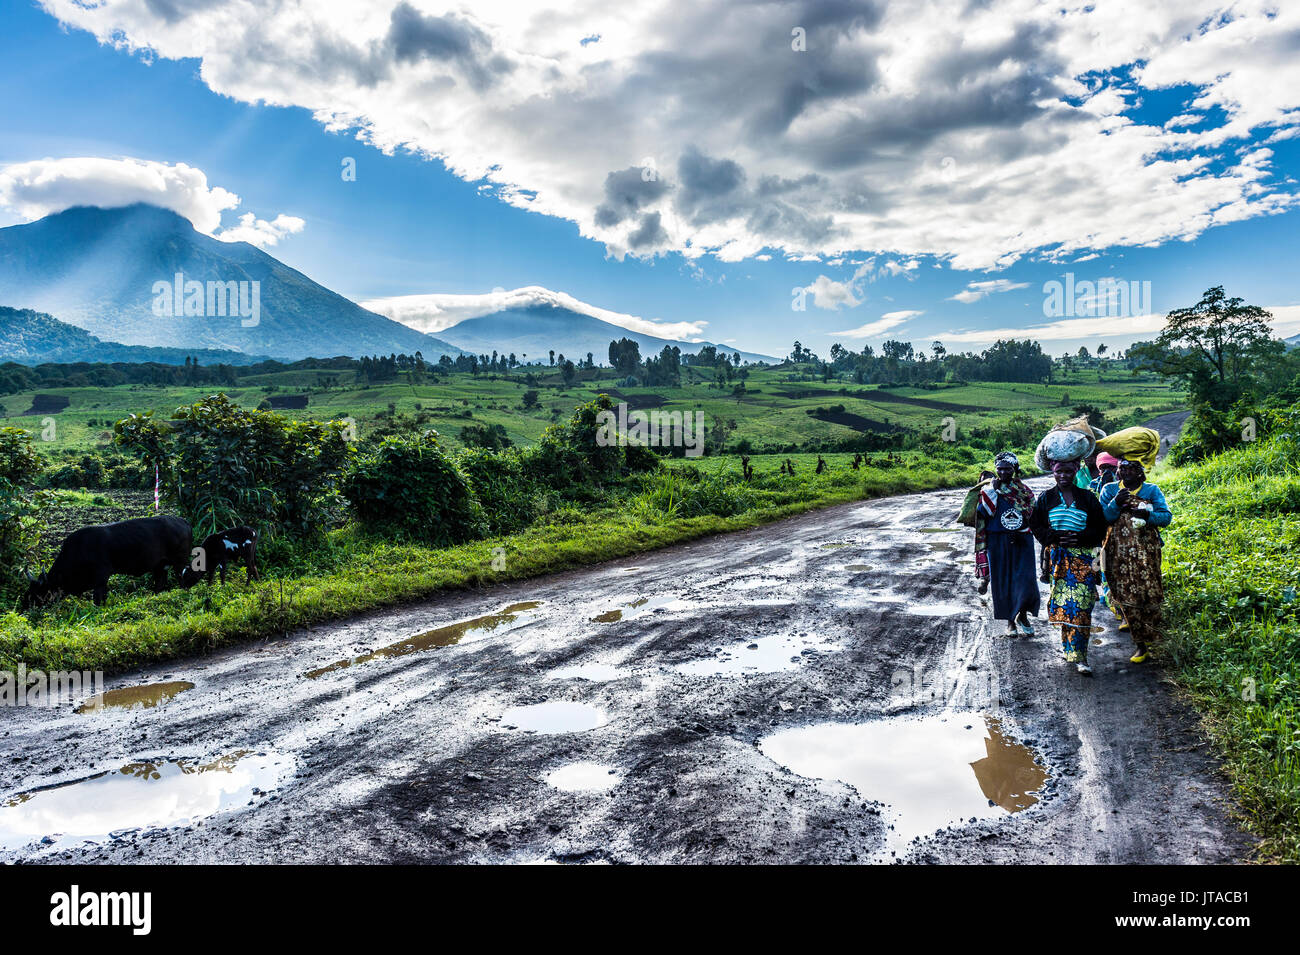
<point x="1002" y="523"/>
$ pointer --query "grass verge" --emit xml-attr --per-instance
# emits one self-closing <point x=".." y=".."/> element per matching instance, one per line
<point x="1231" y="578"/>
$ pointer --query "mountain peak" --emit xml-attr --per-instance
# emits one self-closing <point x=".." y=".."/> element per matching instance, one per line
<point x="105" y="270"/>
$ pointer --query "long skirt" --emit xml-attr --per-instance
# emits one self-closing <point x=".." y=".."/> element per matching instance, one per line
<point x="1074" y="594"/>
<point x="1137" y="590"/>
<point x="1013" y="578"/>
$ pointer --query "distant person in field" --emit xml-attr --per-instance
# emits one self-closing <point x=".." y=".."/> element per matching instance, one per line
<point x="1004" y="545"/>
<point x="1136" y="510"/>
<point x="1069" y="522"/>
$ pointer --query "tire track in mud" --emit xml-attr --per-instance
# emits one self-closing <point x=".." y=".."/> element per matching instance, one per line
<point x="677" y="671"/>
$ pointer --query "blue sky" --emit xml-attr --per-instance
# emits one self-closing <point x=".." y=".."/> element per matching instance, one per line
<point x="407" y="226"/>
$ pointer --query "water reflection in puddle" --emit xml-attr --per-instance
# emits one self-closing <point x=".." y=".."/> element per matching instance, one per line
<point x="941" y="609"/>
<point x="144" y="795"/>
<point x="441" y="637"/>
<point x="595" y="672"/>
<point x="135" y="697"/>
<point x="560" y="716"/>
<point x="642" y="606"/>
<point x="770" y="654"/>
<point x="932" y="772"/>
<point x="583" y="778"/>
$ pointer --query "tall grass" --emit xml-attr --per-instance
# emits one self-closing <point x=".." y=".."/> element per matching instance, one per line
<point x="1232" y="576"/>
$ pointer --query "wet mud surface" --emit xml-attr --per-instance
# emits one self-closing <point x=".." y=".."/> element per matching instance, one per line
<point x="830" y="688"/>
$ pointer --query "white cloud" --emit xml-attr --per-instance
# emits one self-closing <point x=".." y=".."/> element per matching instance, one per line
<point x="832" y="295"/>
<point x="439" y="311"/>
<point x="885" y="323"/>
<point x="43" y="186"/>
<point x="261" y="233"/>
<point x="977" y="133"/>
<point x="974" y="291"/>
<point x="1116" y="331"/>
<point x="1066" y="329"/>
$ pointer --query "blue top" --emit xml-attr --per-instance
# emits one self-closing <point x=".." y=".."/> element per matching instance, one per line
<point x="1159" y="515"/>
<point x="1067" y="518"/>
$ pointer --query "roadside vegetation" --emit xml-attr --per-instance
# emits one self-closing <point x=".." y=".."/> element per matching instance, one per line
<point x="412" y="518"/>
<point x="1232" y="581"/>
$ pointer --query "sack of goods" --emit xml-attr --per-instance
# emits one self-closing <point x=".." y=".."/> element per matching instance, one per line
<point x="1071" y="441"/>
<point x="1134" y="444"/>
<point x="967" y="513"/>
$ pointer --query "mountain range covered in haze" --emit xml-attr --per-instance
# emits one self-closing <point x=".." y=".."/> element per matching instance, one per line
<point x="33" y="338"/>
<point x="142" y="277"/>
<point x="534" y="320"/>
<point x="101" y="270"/>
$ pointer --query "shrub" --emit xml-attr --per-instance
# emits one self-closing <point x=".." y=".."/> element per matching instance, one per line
<point x="511" y="499"/>
<point x="222" y="465"/>
<point x="408" y="487"/>
<point x="681" y="493"/>
<point x="20" y="464"/>
<point x="572" y="454"/>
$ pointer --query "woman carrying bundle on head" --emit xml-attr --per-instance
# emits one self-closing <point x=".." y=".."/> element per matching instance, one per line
<point x="1070" y="524"/>
<point x="1136" y="510"/>
<point x="1004" y="546"/>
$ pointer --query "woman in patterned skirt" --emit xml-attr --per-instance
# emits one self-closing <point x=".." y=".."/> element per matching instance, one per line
<point x="1136" y="510"/>
<point x="1068" y="521"/>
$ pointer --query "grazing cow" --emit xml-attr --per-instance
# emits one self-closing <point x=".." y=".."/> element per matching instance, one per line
<point x="222" y="548"/>
<point x="90" y="555"/>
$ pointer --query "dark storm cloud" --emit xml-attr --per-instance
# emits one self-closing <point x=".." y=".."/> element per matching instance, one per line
<point x="649" y="234"/>
<point x="627" y="191"/>
<point x="709" y="188"/>
<point x="413" y="36"/>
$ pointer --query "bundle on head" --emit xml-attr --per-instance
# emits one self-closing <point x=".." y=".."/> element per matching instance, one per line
<point x="1071" y="441"/>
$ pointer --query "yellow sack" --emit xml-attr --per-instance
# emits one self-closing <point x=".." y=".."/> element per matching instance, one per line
<point x="1136" y="444"/>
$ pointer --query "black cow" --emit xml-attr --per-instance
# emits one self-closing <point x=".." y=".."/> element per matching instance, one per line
<point x="90" y="555"/>
<point x="222" y="548"/>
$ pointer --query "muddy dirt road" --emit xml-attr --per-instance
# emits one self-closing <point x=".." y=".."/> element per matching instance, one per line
<point x="825" y="689"/>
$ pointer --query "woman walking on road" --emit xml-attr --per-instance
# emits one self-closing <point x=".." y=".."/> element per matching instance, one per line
<point x="1070" y="524"/>
<point x="1005" y="547"/>
<point x="1136" y="511"/>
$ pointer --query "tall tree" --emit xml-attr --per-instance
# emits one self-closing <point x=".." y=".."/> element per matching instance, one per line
<point x="1213" y="346"/>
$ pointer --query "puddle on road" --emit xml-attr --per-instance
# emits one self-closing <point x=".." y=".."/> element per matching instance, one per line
<point x="595" y="672"/>
<point x="644" y="605"/>
<point x="447" y="636"/>
<point x="135" y="697"/>
<point x="941" y="609"/>
<point x="770" y="654"/>
<point x="932" y="771"/>
<point x="145" y="795"/>
<point x="583" y="778"/>
<point x="560" y="716"/>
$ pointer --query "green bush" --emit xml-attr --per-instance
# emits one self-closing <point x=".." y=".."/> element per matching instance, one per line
<point x="222" y="465"/>
<point x="511" y="499"/>
<point x="571" y="454"/>
<point x="409" y="488"/>
<point x="686" y="492"/>
<point x="20" y="465"/>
